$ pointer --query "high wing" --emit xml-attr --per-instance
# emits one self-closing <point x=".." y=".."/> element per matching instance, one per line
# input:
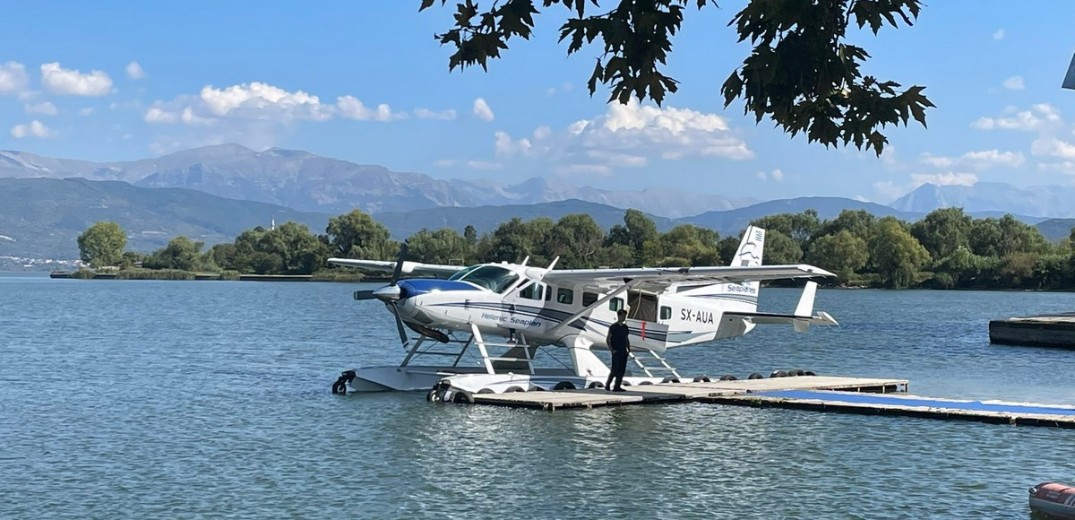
<point x="659" y="278"/>
<point x="408" y="267"/>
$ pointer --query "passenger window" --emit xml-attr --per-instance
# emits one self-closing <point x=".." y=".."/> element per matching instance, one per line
<point x="615" y="304"/>
<point x="666" y="313"/>
<point x="588" y="298"/>
<point x="565" y="296"/>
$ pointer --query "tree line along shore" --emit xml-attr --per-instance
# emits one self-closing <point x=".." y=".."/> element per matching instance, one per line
<point x="946" y="249"/>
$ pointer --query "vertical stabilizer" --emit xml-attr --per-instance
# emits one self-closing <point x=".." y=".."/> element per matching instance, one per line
<point x="1069" y="80"/>
<point x="750" y="252"/>
<point x="805" y="306"/>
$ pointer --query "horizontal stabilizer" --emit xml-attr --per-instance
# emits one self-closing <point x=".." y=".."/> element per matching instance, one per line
<point x="801" y="322"/>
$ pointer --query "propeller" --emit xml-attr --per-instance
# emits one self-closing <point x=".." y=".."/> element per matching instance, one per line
<point x="390" y="292"/>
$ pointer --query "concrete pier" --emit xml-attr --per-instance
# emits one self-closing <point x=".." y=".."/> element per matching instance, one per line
<point x="1047" y="330"/>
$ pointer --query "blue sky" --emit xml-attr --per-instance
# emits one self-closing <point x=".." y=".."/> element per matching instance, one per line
<point x="365" y="81"/>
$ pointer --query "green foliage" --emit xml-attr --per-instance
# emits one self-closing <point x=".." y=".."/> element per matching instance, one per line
<point x="780" y="249"/>
<point x="576" y="239"/>
<point x="842" y="253"/>
<point x="639" y="233"/>
<point x="800" y="227"/>
<point x="691" y="245"/>
<point x="357" y="235"/>
<point x="443" y="246"/>
<point x="943" y="231"/>
<point x="896" y="254"/>
<point x="102" y="244"/>
<point x="181" y="253"/>
<point x="800" y="73"/>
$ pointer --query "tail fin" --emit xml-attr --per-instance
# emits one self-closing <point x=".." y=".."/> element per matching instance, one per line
<point x="750" y="251"/>
<point x="750" y="248"/>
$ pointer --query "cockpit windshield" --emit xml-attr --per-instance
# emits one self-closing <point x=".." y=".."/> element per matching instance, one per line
<point x="492" y="277"/>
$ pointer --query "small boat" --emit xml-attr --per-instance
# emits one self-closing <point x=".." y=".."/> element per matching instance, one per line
<point x="1053" y="499"/>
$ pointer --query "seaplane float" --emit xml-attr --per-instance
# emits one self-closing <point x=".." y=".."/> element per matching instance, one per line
<point x="506" y="315"/>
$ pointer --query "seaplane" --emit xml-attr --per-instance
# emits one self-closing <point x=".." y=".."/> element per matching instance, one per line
<point x="509" y="313"/>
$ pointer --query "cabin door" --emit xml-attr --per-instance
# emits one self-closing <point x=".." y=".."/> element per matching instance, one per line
<point x="641" y="306"/>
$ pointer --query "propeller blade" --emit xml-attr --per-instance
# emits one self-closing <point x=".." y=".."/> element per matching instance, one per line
<point x="365" y="295"/>
<point x="399" y="262"/>
<point x="399" y="325"/>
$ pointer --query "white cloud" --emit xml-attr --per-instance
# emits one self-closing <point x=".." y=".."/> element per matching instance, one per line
<point x="584" y="169"/>
<point x="888" y="191"/>
<point x="775" y="175"/>
<point x="564" y="87"/>
<point x="134" y="70"/>
<point x="944" y="179"/>
<point x="627" y="136"/>
<point x="978" y="160"/>
<point x="1039" y="116"/>
<point x="1014" y="83"/>
<point x="46" y="108"/>
<point x="425" y="113"/>
<point x="59" y="80"/>
<point x="34" y="128"/>
<point x="85" y="111"/>
<point x="1053" y="147"/>
<point x="352" y="108"/>
<point x="482" y="110"/>
<point x="261" y="100"/>
<point x="157" y="114"/>
<point x="998" y="34"/>
<point x="1067" y="167"/>
<point x="505" y="146"/>
<point x="13" y="78"/>
<point x="483" y="165"/>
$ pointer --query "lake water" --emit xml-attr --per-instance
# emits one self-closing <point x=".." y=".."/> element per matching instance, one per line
<point x="212" y="399"/>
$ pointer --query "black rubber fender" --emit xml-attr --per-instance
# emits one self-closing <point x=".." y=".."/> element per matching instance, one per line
<point x="595" y="384"/>
<point x="462" y="397"/>
<point x="670" y="379"/>
<point x="564" y="385"/>
<point x="728" y="377"/>
<point x="755" y="375"/>
<point x="809" y="373"/>
<point x="702" y="379"/>
<point x="486" y="391"/>
<point x="778" y="373"/>
<point x="796" y="372"/>
<point x="514" y="389"/>
<point x="645" y="383"/>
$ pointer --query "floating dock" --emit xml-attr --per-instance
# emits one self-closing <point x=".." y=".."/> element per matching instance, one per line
<point x="1046" y="330"/>
<point x="821" y="393"/>
<point x="677" y="392"/>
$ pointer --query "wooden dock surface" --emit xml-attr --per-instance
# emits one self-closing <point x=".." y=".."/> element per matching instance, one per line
<point x="671" y="392"/>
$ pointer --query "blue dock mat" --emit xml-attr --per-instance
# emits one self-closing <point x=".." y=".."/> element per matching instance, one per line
<point x="883" y="399"/>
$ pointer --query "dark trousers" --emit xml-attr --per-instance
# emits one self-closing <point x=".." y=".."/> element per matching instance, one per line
<point x="619" y="368"/>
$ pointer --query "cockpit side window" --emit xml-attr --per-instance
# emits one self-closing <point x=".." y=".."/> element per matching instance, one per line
<point x="494" y="278"/>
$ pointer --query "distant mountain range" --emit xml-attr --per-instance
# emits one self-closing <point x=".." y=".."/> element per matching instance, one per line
<point x="307" y="182"/>
<point x="211" y="194"/>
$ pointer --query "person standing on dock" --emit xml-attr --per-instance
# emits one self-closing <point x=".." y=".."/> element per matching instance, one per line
<point x="619" y="343"/>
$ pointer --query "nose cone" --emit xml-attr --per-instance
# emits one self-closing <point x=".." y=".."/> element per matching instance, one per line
<point x="388" y="293"/>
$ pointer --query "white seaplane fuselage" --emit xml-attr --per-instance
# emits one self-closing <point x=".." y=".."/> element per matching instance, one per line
<point x="520" y="308"/>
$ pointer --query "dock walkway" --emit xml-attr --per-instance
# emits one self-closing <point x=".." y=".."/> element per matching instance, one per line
<point x="820" y="393"/>
<point x="672" y="392"/>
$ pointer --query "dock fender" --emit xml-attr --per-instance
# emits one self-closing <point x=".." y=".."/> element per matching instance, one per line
<point x="462" y="397"/>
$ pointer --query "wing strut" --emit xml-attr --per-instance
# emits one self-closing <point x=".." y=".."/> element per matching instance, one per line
<point x="586" y="310"/>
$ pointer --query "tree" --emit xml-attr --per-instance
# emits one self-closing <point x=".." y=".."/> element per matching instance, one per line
<point x="575" y="239"/>
<point x="299" y="251"/>
<point x="800" y="227"/>
<point x="639" y="233"/>
<point x="443" y="246"/>
<point x="943" y="231"/>
<point x="801" y="73"/>
<point x="102" y="244"/>
<point x="896" y="254"/>
<point x="842" y="253"/>
<point x="514" y="240"/>
<point x="780" y="249"/>
<point x="180" y="253"/>
<point x="357" y="235"/>
<point x="687" y="245"/>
